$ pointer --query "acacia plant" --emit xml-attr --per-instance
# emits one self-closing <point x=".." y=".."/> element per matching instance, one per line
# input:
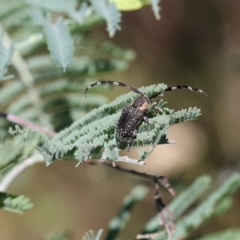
<point x="47" y="58"/>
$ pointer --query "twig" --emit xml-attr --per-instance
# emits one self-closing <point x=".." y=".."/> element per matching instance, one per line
<point x="25" y="123"/>
<point x="17" y="169"/>
<point x="159" y="179"/>
<point x="130" y="160"/>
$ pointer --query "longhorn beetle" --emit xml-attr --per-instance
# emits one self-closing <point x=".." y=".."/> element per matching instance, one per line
<point x="134" y="114"/>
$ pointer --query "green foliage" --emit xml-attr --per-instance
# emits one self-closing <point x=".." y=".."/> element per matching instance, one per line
<point x="51" y="82"/>
<point x="85" y="128"/>
<point x="90" y="235"/>
<point x="183" y="201"/>
<point x="13" y="203"/>
<point x="224" y="235"/>
<point x="60" y="6"/>
<point x="59" y="41"/>
<point x="119" y="221"/>
<point x="216" y="204"/>
<point x="110" y="13"/>
<point x="81" y="13"/>
<point x="156" y="8"/>
<point x="13" y="151"/>
<point x="5" y="60"/>
<point x="208" y="208"/>
<point x="93" y="137"/>
<point x="65" y="235"/>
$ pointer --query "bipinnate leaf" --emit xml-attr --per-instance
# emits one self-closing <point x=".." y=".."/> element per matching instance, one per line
<point x="223" y="235"/>
<point x="110" y="13"/>
<point x="156" y="8"/>
<point x="60" y="43"/>
<point x="59" y="235"/>
<point x="79" y="15"/>
<point x="124" y="213"/>
<point x="61" y="6"/>
<point x="208" y="208"/>
<point x="6" y="54"/>
<point x="13" y="203"/>
<point x="183" y="201"/>
<point x="90" y="235"/>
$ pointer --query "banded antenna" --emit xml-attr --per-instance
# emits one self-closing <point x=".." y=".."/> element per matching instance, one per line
<point x="180" y="87"/>
<point x="114" y="83"/>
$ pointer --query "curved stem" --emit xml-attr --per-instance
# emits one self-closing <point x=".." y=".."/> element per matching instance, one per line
<point x="17" y="169"/>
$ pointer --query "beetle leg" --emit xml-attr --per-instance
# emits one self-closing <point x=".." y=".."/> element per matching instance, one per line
<point x="134" y="134"/>
<point x="145" y="119"/>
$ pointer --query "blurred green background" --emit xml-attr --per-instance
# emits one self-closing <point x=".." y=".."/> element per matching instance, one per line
<point x="195" y="43"/>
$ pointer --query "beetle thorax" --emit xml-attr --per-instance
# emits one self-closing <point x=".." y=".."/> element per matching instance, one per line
<point x="142" y="103"/>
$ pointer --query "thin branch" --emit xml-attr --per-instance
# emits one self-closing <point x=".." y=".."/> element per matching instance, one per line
<point x="25" y="123"/>
<point x="160" y="179"/>
<point x="17" y="169"/>
<point x="129" y="160"/>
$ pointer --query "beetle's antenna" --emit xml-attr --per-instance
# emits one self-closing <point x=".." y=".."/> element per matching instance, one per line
<point x="180" y="87"/>
<point x="113" y="83"/>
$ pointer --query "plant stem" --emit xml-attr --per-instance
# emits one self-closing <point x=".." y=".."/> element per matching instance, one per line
<point x="17" y="169"/>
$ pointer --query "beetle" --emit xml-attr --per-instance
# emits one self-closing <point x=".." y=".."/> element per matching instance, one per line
<point x="135" y="114"/>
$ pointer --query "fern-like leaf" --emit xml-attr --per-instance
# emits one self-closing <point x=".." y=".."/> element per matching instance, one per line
<point x="90" y="235"/>
<point x="110" y="13"/>
<point x="185" y="199"/>
<point x="118" y="223"/>
<point x="233" y="234"/>
<point x="54" y="5"/>
<point x="59" y="41"/>
<point x="156" y="8"/>
<point x="80" y="14"/>
<point x="65" y="235"/>
<point x="5" y="57"/>
<point x="207" y="209"/>
<point x="16" y="204"/>
<point x="50" y="150"/>
<point x="185" y="115"/>
<point x="13" y="151"/>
